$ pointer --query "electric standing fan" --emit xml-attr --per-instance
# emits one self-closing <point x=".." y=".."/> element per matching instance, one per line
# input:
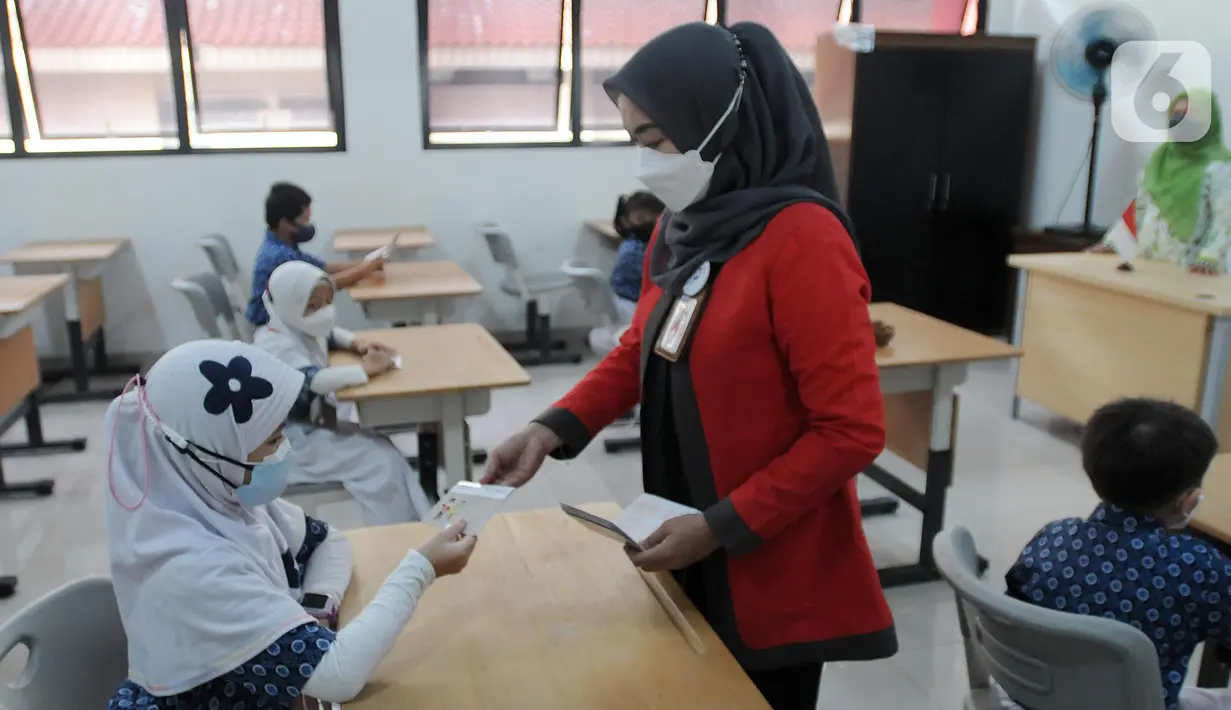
<point x="1081" y="53"/>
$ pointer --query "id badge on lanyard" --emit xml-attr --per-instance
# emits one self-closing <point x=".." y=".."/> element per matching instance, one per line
<point x="682" y="319"/>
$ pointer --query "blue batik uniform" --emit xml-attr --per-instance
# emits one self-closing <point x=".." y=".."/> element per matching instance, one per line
<point x="626" y="274"/>
<point x="1131" y="568"/>
<point x="273" y="253"/>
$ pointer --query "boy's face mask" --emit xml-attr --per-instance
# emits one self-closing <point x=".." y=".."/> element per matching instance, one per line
<point x="1188" y="516"/>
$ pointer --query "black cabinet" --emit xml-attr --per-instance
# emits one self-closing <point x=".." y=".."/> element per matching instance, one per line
<point x="938" y="150"/>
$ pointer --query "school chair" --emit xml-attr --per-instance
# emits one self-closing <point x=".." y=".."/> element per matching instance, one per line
<point x="1043" y="659"/>
<point x="536" y="291"/>
<point x="77" y="649"/>
<point x="594" y="286"/>
<point x="208" y="299"/>
<point x="222" y="259"/>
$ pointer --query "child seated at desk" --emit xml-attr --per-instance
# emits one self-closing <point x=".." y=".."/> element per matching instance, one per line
<point x="329" y="446"/>
<point x="1130" y="560"/>
<point x="635" y="219"/>
<point x="288" y="216"/>
<point x="224" y="589"/>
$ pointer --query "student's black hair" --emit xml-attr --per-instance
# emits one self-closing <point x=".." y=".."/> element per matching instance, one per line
<point x="1143" y="454"/>
<point x="285" y="201"/>
<point x="637" y="201"/>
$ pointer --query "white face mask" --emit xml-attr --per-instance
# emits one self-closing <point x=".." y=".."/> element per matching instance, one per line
<point x="320" y="323"/>
<point x="1188" y="517"/>
<point x="680" y="180"/>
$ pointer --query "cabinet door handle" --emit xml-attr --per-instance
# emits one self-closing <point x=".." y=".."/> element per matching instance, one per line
<point x="931" y="203"/>
<point x="944" y="192"/>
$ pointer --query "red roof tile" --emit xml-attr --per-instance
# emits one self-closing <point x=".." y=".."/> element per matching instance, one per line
<point x="257" y="23"/>
<point x="493" y="22"/>
<point x="795" y="22"/>
<point x="632" y="23"/>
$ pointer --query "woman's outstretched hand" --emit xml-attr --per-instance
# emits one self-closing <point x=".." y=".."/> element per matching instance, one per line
<point x="519" y="457"/>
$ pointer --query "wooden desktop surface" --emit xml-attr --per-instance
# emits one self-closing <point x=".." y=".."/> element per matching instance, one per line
<point x="1213" y="516"/>
<point x="548" y="615"/>
<point x="17" y="293"/>
<point x="373" y="238"/>
<point x="416" y="279"/>
<point x="53" y="252"/>
<point x="923" y="340"/>
<point x="1154" y="280"/>
<point x="436" y="359"/>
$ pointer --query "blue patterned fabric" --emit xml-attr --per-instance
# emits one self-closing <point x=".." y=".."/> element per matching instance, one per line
<point x="1132" y="569"/>
<point x="272" y="254"/>
<point x="626" y="275"/>
<point x="301" y="411"/>
<point x="272" y="679"/>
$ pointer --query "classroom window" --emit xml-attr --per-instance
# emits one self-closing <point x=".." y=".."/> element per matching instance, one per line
<point x="611" y="31"/>
<point x="531" y="72"/>
<point x="796" y="23"/>
<point x="91" y="75"/>
<point x="914" y="15"/>
<point x="173" y="76"/>
<point x="6" y="126"/>
<point x="493" y="68"/>
<point x="259" y="74"/>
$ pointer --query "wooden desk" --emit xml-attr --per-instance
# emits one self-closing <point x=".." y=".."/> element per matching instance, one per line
<point x="919" y="370"/>
<point x="414" y="291"/>
<point x="448" y="374"/>
<point x="369" y="239"/>
<point x="606" y="231"/>
<point x="547" y="615"/>
<point x="1092" y="334"/>
<point x="19" y="295"/>
<point x="80" y="307"/>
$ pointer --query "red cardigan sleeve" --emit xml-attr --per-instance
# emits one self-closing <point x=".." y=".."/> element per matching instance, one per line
<point x="612" y="388"/>
<point x="819" y="297"/>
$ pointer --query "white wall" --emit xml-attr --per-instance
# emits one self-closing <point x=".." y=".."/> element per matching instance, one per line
<point x="163" y="203"/>
<point x="1064" y="121"/>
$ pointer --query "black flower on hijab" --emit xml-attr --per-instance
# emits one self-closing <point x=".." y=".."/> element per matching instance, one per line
<point x="234" y="387"/>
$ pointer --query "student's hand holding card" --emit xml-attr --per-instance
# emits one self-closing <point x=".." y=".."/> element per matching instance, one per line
<point x="449" y="550"/>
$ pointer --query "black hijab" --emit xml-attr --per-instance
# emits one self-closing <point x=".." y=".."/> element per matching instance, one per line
<point x="773" y="148"/>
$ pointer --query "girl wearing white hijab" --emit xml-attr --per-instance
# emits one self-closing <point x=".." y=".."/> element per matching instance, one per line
<point x="328" y="447"/>
<point x="210" y="566"/>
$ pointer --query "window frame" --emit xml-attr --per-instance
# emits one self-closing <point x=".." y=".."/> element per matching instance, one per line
<point x="576" y="76"/>
<point x="179" y="45"/>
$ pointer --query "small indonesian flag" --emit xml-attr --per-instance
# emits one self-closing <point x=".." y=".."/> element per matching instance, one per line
<point x="1123" y="234"/>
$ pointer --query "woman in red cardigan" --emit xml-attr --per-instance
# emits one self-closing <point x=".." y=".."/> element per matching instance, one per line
<point x="752" y="355"/>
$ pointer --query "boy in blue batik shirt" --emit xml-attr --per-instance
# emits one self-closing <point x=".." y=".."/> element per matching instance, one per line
<point x="635" y="219"/>
<point x="1129" y="560"/>
<point x="288" y="218"/>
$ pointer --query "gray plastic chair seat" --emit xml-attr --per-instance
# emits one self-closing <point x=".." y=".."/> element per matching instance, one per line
<point x="78" y="651"/>
<point x="536" y="284"/>
<point x="1043" y="659"/>
<point x="595" y="288"/>
<point x="209" y="302"/>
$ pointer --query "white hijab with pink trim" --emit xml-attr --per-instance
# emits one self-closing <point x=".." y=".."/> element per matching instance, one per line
<point x="200" y="579"/>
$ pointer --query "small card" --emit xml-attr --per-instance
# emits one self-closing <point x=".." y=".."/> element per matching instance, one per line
<point x="385" y="251"/>
<point x="397" y="362"/>
<point x="641" y="518"/>
<point x="647" y="513"/>
<point x="474" y="502"/>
